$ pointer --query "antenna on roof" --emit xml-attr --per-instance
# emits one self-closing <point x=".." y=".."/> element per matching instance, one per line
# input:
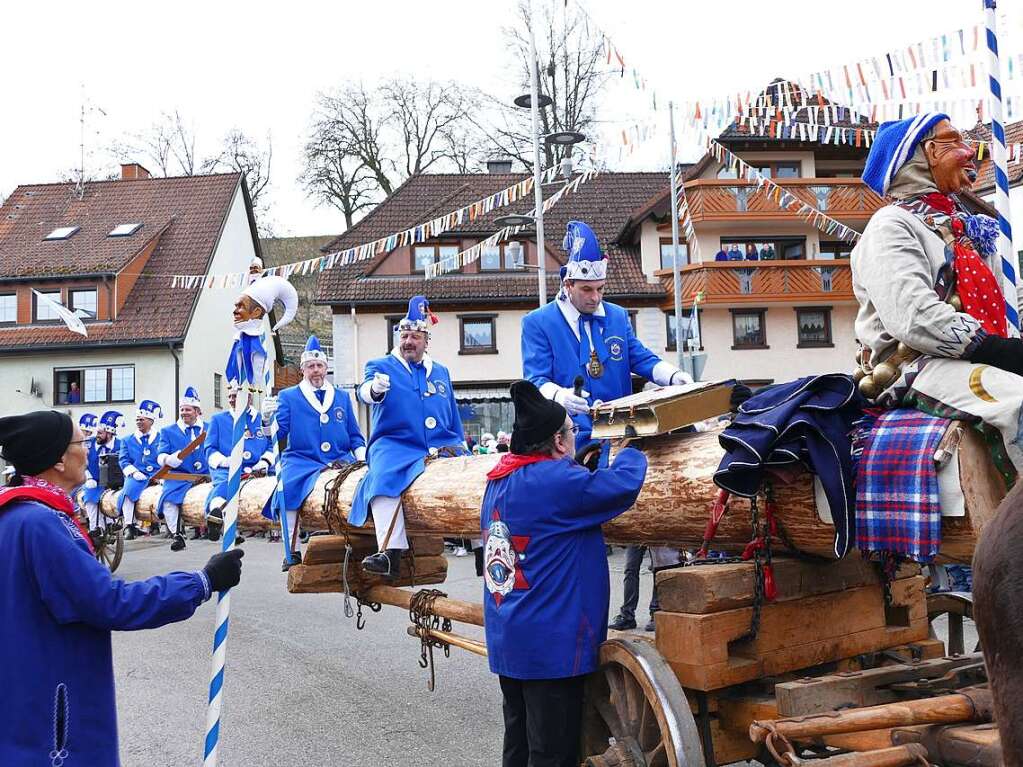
<point x="85" y="109"/>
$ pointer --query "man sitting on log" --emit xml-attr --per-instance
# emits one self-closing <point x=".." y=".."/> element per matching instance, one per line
<point x="257" y="457"/>
<point x="414" y="414"/>
<point x="582" y="339"/>
<point x="932" y="316"/>
<point x="171" y="451"/>
<point x="546" y="590"/>
<point x="316" y="429"/>
<point x="137" y="458"/>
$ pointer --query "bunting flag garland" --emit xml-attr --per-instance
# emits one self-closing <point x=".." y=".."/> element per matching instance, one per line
<point x="783" y="199"/>
<point x="688" y="231"/>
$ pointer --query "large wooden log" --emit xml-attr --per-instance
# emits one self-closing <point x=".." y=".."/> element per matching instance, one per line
<point x="672" y="507"/>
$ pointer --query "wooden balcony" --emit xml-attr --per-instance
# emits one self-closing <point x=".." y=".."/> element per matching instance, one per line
<point x="730" y="200"/>
<point x="759" y="282"/>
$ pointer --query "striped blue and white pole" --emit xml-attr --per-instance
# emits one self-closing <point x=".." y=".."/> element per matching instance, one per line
<point x="276" y="505"/>
<point x="234" y="477"/>
<point x="999" y="156"/>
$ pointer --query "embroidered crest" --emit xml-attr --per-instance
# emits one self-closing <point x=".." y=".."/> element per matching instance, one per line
<point x="616" y="348"/>
<point x="339" y="414"/>
<point x="441" y="388"/>
<point x="70" y="525"/>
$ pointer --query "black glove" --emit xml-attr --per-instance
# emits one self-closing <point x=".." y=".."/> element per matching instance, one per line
<point x="1004" y="353"/>
<point x="589" y="455"/>
<point x="224" y="570"/>
<point x="740" y="393"/>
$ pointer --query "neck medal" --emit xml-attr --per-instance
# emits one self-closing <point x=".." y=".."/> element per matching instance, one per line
<point x="595" y="368"/>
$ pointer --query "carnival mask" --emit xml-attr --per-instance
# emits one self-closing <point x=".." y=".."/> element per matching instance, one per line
<point x="499" y="559"/>
<point x="951" y="159"/>
<point x="246" y="309"/>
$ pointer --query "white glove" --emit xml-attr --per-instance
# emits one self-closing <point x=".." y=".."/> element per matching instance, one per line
<point x="679" y="378"/>
<point x="138" y="475"/>
<point x="268" y="408"/>
<point x="172" y="460"/>
<point x="259" y="466"/>
<point x="90" y="484"/>
<point x="573" y="404"/>
<point x="360" y="453"/>
<point x="381" y="384"/>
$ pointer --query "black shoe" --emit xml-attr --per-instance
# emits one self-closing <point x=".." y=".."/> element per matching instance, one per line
<point x="130" y="532"/>
<point x="179" y="543"/>
<point x="386" y="563"/>
<point x="650" y="624"/>
<point x="167" y="535"/>
<point x="621" y="623"/>
<point x="239" y="539"/>
<point x="296" y="559"/>
<point x="196" y="534"/>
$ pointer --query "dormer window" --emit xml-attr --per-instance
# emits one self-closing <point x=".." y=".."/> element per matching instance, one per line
<point x="62" y="233"/>
<point x="124" y="230"/>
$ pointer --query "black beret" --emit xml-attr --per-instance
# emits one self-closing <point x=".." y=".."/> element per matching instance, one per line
<point x="34" y="442"/>
<point x="536" y="417"/>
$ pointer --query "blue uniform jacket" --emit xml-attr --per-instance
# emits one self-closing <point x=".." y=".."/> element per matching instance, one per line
<point x="550" y="355"/>
<point x="137" y="451"/>
<point x="317" y="435"/>
<point x="58" y="606"/>
<point x="419" y="412"/>
<point x="546" y="586"/>
<point x="217" y="448"/>
<point x="173" y="438"/>
<point x="95" y="451"/>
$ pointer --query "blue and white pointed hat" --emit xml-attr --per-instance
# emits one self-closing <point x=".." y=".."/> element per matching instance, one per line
<point x="149" y="409"/>
<point x="88" y="422"/>
<point x="419" y="317"/>
<point x="191" y="397"/>
<point x="313" y="352"/>
<point x="111" y="421"/>
<point x="585" y="259"/>
<point x="893" y="147"/>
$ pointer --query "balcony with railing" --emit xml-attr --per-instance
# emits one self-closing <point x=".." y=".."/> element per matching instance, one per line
<point x="731" y="200"/>
<point x="756" y="282"/>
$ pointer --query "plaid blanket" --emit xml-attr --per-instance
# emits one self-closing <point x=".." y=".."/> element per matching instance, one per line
<point x="898" y="511"/>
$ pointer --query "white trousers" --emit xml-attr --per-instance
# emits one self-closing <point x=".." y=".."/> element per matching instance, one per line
<point x="293" y="531"/>
<point x="96" y="519"/>
<point x="384" y="508"/>
<point x="128" y="511"/>
<point x="171" y="514"/>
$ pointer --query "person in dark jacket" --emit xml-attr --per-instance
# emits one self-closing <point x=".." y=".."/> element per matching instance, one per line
<point x="58" y="604"/>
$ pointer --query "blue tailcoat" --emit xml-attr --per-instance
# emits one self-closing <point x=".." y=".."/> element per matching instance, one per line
<point x="419" y="412"/>
<point x="137" y="453"/>
<point x="173" y="438"/>
<point x="317" y="435"/>
<point x="546" y="588"/>
<point x="58" y="606"/>
<point x="95" y="451"/>
<point x="550" y="354"/>
<point x="219" y="439"/>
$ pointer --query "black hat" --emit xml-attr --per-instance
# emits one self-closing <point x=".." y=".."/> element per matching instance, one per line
<point x="34" y="442"/>
<point x="536" y="417"/>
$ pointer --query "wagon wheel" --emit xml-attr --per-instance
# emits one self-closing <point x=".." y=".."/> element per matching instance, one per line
<point x="110" y="547"/>
<point x="635" y="713"/>
<point x="956" y="605"/>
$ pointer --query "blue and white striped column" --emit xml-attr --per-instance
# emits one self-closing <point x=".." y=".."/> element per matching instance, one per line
<point x="282" y="517"/>
<point x="1007" y="259"/>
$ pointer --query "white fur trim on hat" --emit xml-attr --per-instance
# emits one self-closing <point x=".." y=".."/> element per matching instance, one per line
<point x="586" y="270"/>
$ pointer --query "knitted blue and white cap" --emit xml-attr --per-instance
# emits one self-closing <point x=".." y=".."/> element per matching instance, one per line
<point x="894" y="146"/>
<point x="191" y="397"/>
<point x="110" y="421"/>
<point x="585" y="259"/>
<point x="88" y="422"/>
<point x="149" y="409"/>
<point x="312" y="352"/>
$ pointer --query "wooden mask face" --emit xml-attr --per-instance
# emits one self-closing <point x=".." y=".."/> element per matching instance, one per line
<point x="951" y="159"/>
<point x="246" y="308"/>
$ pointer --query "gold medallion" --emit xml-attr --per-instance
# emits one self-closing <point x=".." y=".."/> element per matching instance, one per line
<point x="595" y="368"/>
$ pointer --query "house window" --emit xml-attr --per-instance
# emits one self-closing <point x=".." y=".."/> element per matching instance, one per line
<point x="786" y="170"/>
<point x="41" y="311"/>
<point x="447" y="253"/>
<point x="218" y="384"/>
<point x="8" y="308"/>
<point x="62" y="233"/>
<point x="690" y="331"/>
<point x="835" y="250"/>
<point x="763" y="248"/>
<point x="424" y="255"/>
<point x="83" y="303"/>
<point x="667" y="262"/>
<point x="632" y="319"/>
<point x="478" y="334"/>
<point x="813" y="326"/>
<point x="392" y="331"/>
<point x="749" y="329"/>
<point x="495" y="258"/>
<point x="94" y="385"/>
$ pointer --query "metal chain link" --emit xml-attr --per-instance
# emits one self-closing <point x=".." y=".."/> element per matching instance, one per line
<point x="421" y="613"/>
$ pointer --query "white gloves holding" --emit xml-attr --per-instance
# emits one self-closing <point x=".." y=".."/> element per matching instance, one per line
<point x="90" y="484"/>
<point x="217" y="461"/>
<point x="138" y="475"/>
<point x="573" y="403"/>
<point x="260" y="465"/>
<point x="172" y="460"/>
<point x="680" y="377"/>
<point x="268" y="408"/>
<point x="381" y="384"/>
<point x="360" y="453"/>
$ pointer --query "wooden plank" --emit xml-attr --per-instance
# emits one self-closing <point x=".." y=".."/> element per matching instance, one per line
<point x="324" y="549"/>
<point x="326" y="578"/>
<point x="731" y="746"/>
<point x="713" y="588"/>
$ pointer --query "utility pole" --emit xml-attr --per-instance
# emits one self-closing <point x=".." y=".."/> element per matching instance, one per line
<point x="534" y="107"/>
<point x="675" y="265"/>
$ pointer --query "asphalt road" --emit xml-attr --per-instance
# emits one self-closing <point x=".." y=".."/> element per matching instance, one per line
<point x="303" y="686"/>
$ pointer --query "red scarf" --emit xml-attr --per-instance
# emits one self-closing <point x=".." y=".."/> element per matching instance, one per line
<point x="511" y="462"/>
<point x="48" y="494"/>
<point x="975" y="283"/>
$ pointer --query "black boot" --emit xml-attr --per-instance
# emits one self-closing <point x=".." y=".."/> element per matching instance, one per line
<point x="131" y="532"/>
<point x="215" y="523"/>
<point x="239" y="539"/>
<point x="386" y="563"/>
<point x="196" y="534"/>
<point x="296" y="559"/>
<point x="621" y="623"/>
<point x="179" y="543"/>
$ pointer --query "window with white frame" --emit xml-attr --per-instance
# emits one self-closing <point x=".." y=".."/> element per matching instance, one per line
<point x="8" y="308"/>
<point x="94" y="385"/>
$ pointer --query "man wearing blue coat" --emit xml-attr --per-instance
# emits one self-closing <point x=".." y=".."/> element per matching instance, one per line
<point x="413" y="414"/>
<point x="257" y="456"/>
<point x="58" y="604"/>
<point x="104" y="443"/>
<point x="316" y="428"/>
<point x="170" y="448"/>
<point x="581" y="336"/>
<point x="137" y="458"/>
<point x="546" y="583"/>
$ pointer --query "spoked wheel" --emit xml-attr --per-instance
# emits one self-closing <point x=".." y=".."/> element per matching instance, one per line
<point x="956" y="606"/>
<point x="110" y="547"/>
<point x="635" y="713"/>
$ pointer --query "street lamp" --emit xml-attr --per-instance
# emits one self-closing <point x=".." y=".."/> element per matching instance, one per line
<point x="564" y="138"/>
<point x="514" y="219"/>
<point x="526" y="101"/>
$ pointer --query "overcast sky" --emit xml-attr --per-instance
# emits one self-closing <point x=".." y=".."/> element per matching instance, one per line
<point x="258" y="66"/>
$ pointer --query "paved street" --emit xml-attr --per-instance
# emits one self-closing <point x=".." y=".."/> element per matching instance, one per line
<point x="303" y="686"/>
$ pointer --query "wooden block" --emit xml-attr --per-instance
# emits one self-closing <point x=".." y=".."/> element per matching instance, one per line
<point x="428" y="570"/>
<point x="326" y="578"/>
<point x="737" y="712"/>
<point x="731" y="746"/>
<point x="325" y="549"/>
<point x="713" y="588"/>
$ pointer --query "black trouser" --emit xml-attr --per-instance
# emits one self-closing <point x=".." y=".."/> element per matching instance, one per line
<point x="634" y="556"/>
<point x="542" y="721"/>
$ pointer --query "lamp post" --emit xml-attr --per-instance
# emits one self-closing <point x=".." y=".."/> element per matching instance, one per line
<point x="675" y="266"/>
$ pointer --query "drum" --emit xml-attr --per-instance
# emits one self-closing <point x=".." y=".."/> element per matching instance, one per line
<point x="110" y="474"/>
<point x="107" y="504"/>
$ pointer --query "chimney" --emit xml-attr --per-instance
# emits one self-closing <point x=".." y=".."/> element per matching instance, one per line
<point x="499" y="165"/>
<point x="131" y="171"/>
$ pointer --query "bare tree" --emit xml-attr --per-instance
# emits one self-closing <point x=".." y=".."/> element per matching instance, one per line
<point x="241" y="154"/>
<point x="166" y="148"/>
